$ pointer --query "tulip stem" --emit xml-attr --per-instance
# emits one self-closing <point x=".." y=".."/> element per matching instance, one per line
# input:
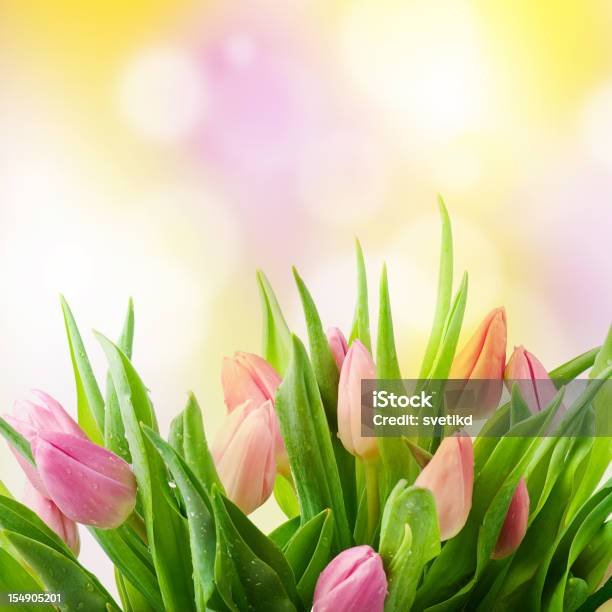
<point x="371" y="482"/>
<point x="138" y="525"/>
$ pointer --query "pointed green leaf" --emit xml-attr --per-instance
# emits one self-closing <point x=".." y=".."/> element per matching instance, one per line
<point x="323" y="363"/>
<point x="445" y="290"/>
<point x="199" y="517"/>
<point x="166" y="530"/>
<point x="309" y="551"/>
<point x="283" y="533"/>
<point x="519" y="411"/>
<point x="188" y="438"/>
<point x="90" y="403"/>
<point x="114" y="432"/>
<point x="361" y="321"/>
<point x="308" y="441"/>
<point x="276" y="334"/>
<point x="264" y="579"/>
<point x="59" y="574"/>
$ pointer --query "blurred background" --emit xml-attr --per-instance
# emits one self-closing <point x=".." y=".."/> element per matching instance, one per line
<point x="166" y="149"/>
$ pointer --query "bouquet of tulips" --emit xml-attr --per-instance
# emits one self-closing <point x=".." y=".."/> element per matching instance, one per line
<point x="514" y="518"/>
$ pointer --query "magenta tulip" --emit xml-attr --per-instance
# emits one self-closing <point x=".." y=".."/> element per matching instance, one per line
<point x="515" y="524"/>
<point x="450" y="477"/>
<point x="354" y="580"/>
<point x="337" y="345"/>
<point x="358" y="365"/>
<point x="536" y="387"/>
<point x="29" y="418"/>
<point x="244" y="454"/>
<point x="88" y="483"/>
<point x="53" y="517"/>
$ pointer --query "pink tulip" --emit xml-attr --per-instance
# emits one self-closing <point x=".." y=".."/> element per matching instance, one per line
<point x="358" y="365"/>
<point x="249" y="378"/>
<point x="483" y="359"/>
<point x="88" y="483"/>
<point x="354" y="580"/>
<point x="337" y="345"/>
<point x="515" y="525"/>
<point x="29" y="418"/>
<point x="536" y="387"/>
<point x="450" y="477"/>
<point x="244" y="454"/>
<point x="53" y="517"/>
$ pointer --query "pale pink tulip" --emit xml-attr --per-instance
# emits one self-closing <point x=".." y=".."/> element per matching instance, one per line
<point x="248" y="377"/>
<point x="53" y="517"/>
<point x="354" y="580"/>
<point x="244" y="454"/>
<point x="483" y="359"/>
<point x="88" y="483"/>
<point x="337" y="344"/>
<point x="358" y="365"/>
<point x="450" y="477"/>
<point x="536" y="387"/>
<point x="515" y="525"/>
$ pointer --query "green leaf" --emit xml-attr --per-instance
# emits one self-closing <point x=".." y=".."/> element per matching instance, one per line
<point x="283" y="533"/>
<point x="450" y="336"/>
<point x="574" y="541"/>
<point x="519" y="411"/>
<point x="309" y="551"/>
<point x="15" y="579"/>
<point x="593" y="562"/>
<point x="397" y="461"/>
<point x="421" y="456"/>
<point x="59" y="574"/>
<point x="131" y="598"/>
<point x="114" y="431"/>
<point x="285" y="497"/>
<point x="17" y="518"/>
<point x="445" y="289"/>
<point x="598" y="599"/>
<point x="574" y="367"/>
<point x="361" y="321"/>
<point x="409" y="538"/>
<point x="16" y="440"/>
<point x="308" y="442"/>
<point x="189" y="439"/>
<point x="90" y="403"/>
<point x="276" y="334"/>
<point x="323" y="363"/>
<point x="133" y="559"/>
<point x="4" y="491"/>
<point x="199" y="516"/>
<point x="263" y="579"/>
<point x="166" y="530"/>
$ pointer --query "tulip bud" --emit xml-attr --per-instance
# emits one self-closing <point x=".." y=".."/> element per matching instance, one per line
<point x="88" y="483"/>
<point x="358" y="365"/>
<point x="515" y="525"/>
<point x="337" y="345"/>
<point x="483" y="359"/>
<point x="354" y="580"/>
<point x="53" y="517"/>
<point x="450" y="477"/>
<point x="244" y="454"/>
<point x="29" y="418"/>
<point x="536" y="387"/>
<point x="248" y="377"/>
